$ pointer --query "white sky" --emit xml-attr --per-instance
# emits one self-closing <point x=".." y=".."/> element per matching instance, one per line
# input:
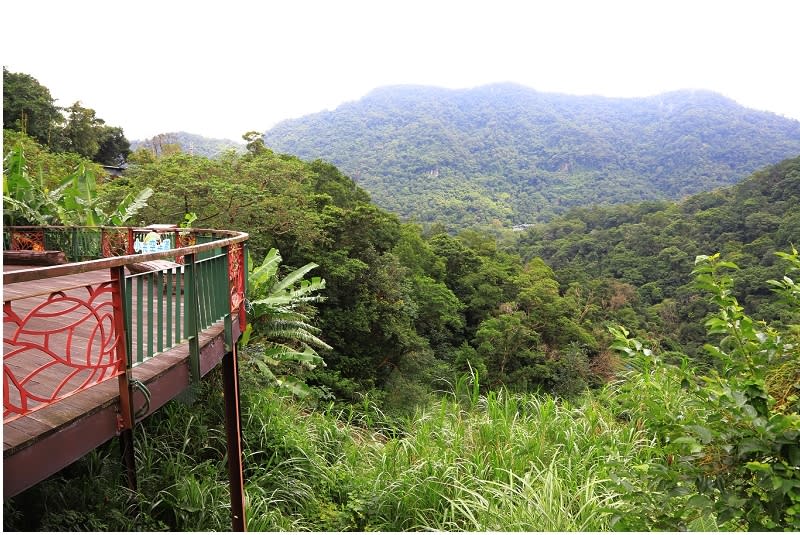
<point x="223" y="68"/>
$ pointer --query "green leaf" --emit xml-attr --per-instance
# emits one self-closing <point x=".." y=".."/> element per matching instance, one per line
<point x="699" y="501"/>
<point x="756" y="466"/>
<point x="293" y="277"/>
<point x="265" y="370"/>
<point x="129" y="207"/>
<point x="702" y="432"/>
<point x="793" y="454"/>
<point x="296" y="386"/>
<point x="750" y="445"/>
<point x="694" y="447"/>
<point x="726" y="264"/>
<point x="246" y="334"/>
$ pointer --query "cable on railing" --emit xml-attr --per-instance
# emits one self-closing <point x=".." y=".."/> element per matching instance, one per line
<point x="141" y="387"/>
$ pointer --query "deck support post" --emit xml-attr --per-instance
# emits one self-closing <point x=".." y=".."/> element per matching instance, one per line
<point x="233" y="430"/>
<point x="128" y="457"/>
<point x="125" y="391"/>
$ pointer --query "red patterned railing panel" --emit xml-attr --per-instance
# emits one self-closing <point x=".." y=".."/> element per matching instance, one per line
<point x="27" y="240"/>
<point x="184" y="240"/>
<point x="115" y="242"/>
<point x="57" y="345"/>
<point x="236" y="275"/>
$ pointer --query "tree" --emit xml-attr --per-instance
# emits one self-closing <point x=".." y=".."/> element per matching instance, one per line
<point x="88" y="135"/>
<point x="28" y="107"/>
<point x="417" y="254"/>
<point x="81" y="130"/>
<point x="114" y="147"/>
<point x="510" y="351"/>
<point x="438" y="311"/>
<point x="159" y="146"/>
<point x="255" y="142"/>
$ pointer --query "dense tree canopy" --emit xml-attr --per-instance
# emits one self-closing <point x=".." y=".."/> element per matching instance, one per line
<point x="401" y="307"/>
<point x="650" y="248"/>
<point x="29" y="108"/>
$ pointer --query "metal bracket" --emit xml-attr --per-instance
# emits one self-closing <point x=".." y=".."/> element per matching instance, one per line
<point x="120" y="423"/>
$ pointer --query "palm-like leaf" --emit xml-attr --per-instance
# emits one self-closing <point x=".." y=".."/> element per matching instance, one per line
<point x="129" y="207"/>
<point x="280" y="314"/>
<point x="25" y="199"/>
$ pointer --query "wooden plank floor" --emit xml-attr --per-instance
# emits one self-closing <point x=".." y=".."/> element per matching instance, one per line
<point x="42" y="442"/>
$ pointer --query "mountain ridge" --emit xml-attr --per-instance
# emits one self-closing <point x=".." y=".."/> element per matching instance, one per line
<point x="191" y="143"/>
<point x="507" y="154"/>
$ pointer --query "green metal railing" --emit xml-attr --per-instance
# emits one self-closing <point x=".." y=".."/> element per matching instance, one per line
<point x="166" y="307"/>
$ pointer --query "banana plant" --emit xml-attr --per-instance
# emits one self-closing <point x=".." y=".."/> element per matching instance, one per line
<point x="279" y="315"/>
<point x="75" y="201"/>
<point x="26" y="199"/>
<point x="82" y="205"/>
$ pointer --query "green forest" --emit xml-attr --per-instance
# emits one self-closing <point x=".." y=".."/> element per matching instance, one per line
<point x="503" y="154"/>
<point x="629" y="367"/>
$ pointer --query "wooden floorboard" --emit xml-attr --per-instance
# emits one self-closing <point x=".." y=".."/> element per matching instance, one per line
<point x="86" y="418"/>
<point x="17" y="432"/>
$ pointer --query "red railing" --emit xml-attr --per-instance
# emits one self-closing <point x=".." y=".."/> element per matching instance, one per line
<point x="67" y="342"/>
<point x="61" y="337"/>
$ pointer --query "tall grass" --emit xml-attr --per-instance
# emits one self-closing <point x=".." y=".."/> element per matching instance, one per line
<point x="472" y="462"/>
<point x="503" y="462"/>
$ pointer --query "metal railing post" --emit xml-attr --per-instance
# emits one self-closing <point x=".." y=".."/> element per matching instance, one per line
<point x="119" y="297"/>
<point x="246" y="285"/>
<point x="192" y="310"/>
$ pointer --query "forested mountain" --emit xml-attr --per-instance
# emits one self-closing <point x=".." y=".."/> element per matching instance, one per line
<point x="452" y="368"/>
<point x="188" y="143"/>
<point x="506" y="154"/>
<point x="652" y="246"/>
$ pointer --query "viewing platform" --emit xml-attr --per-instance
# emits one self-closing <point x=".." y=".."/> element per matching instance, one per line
<point x="96" y="344"/>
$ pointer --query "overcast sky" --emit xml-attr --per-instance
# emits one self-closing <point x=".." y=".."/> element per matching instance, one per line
<point x="223" y="68"/>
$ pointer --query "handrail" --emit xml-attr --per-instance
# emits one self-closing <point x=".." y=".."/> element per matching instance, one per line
<point x="75" y="268"/>
<point x="124" y="319"/>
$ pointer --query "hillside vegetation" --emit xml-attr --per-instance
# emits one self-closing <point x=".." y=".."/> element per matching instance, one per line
<point x="29" y="107"/>
<point x="505" y="154"/>
<point x="664" y="448"/>
<point x="651" y="247"/>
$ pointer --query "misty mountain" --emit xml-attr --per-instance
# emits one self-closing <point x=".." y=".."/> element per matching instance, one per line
<point x="507" y="154"/>
<point x="189" y="143"/>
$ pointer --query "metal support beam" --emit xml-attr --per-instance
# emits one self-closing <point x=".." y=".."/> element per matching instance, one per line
<point x="233" y="430"/>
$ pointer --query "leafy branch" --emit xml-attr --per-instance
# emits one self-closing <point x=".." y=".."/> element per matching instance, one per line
<point x="732" y="453"/>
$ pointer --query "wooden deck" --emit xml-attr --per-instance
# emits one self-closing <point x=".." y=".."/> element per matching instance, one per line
<point x="42" y="442"/>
